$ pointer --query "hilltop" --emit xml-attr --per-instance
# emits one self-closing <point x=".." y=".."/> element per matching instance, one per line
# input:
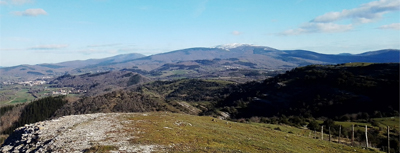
<point x="310" y="96"/>
<point x="161" y="132"/>
<point x="100" y="83"/>
<point x="330" y="91"/>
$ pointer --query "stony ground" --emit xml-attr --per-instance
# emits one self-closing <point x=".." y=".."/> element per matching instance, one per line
<point x="77" y="133"/>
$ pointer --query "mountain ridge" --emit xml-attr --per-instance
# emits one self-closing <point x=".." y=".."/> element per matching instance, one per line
<point x="260" y="57"/>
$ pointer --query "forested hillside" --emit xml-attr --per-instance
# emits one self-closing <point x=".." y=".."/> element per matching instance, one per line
<point x="100" y="83"/>
<point x="39" y="110"/>
<point x="186" y="96"/>
<point x="340" y="92"/>
<point x="116" y="101"/>
<point x="190" y="90"/>
<point x="321" y="91"/>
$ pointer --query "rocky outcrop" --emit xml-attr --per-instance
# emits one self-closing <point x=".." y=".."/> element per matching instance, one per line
<point x="77" y="133"/>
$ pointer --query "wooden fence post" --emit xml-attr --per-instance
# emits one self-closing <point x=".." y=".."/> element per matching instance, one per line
<point x="315" y="134"/>
<point x="352" y="136"/>
<point x="366" y="136"/>
<point x="340" y="130"/>
<point x="322" y="132"/>
<point x="388" y="139"/>
<point x="329" y="134"/>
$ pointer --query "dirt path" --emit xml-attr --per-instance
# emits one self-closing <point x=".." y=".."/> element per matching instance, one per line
<point x="11" y="100"/>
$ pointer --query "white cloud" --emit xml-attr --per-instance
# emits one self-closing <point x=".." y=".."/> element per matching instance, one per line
<point x="10" y="49"/>
<point x="30" y="12"/>
<point x="20" y="2"/>
<point x="48" y="47"/>
<point x="103" y="45"/>
<point x="318" y="28"/>
<point x="200" y="8"/>
<point x="40" y="47"/>
<point x="15" y="2"/>
<point x="98" y="51"/>
<point x="366" y="13"/>
<point x="236" y="33"/>
<point x="393" y="26"/>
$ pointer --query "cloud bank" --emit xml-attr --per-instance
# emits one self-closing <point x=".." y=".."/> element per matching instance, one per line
<point x="15" y="2"/>
<point x="393" y="26"/>
<point x="48" y="47"/>
<point x="366" y="13"/>
<point x="30" y="12"/>
<point x="318" y="28"/>
<point x="103" y="45"/>
<point x="236" y="33"/>
<point x="200" y="8"/>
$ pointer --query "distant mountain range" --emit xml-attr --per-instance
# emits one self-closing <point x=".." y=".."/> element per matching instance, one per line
<point x="240" y="56"/>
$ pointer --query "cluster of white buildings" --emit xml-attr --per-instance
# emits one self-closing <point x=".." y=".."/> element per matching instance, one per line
<point x="65" y="92"/>
<point x="32" y="83"/>
<point x="27" y="83"/>
<point x="232" y="67"/>
<point x="8" y="82"/>
<point x="61" y="92"/>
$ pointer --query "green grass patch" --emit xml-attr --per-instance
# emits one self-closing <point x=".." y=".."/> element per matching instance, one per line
<point x="186" y="133"/>
<point x="357" y="125"/>
<point x="22" y="96"/>
<point x="179" y="72"/>
<point x="393" y="122"/>
<point x="357" y="64"/>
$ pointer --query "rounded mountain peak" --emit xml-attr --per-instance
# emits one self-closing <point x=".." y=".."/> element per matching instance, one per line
<point x="239" y="45"/>
<point x="233" y="45"/>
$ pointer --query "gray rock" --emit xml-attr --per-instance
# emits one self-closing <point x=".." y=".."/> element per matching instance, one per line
<point x="76" y="133"/>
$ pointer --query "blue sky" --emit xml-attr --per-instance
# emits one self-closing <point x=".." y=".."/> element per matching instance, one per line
<point x="48" y="31"/>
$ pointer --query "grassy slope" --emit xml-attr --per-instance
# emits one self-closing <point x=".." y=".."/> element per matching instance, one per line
<point x="186" y="133"/>
<point x="20" y="96"/>
<point x="357" y="125"/>
<point x="23" y="96"/>
<point x="393" y="122"/>
<point x="356" y="64"/>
